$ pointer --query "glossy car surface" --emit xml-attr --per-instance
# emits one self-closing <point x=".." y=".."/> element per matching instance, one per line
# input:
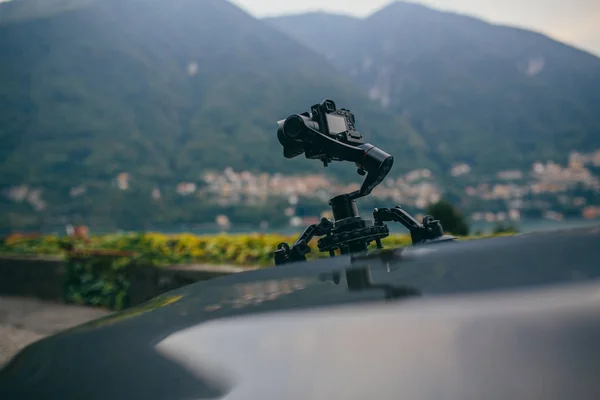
<point x="515" y="317"/>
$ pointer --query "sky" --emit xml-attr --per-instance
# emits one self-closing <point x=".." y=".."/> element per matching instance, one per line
<point x="576" y="22"/>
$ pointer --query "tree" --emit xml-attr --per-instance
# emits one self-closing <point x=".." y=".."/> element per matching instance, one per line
<point x="501" y="227"/>
<point x="451" y="218"/>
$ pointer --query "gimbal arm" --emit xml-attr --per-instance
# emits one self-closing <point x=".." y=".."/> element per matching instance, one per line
<point x="369" y="159"/>
<point x="430" y="229"/>
<point x="284" y="254"/>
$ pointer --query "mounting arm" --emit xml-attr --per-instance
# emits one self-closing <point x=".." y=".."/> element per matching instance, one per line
<point x="429" y="230"/>
<point x="284" y="254"/>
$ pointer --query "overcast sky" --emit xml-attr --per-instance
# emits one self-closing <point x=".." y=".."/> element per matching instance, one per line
<point x="576" y="22"/>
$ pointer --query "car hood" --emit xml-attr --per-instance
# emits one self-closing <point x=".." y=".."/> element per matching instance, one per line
<point x="128" y="355"/>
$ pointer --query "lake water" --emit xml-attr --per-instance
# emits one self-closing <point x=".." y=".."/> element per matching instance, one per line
<point x="525" y="226"/>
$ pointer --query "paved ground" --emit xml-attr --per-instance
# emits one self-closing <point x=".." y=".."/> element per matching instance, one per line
<point x="24" y="320"/>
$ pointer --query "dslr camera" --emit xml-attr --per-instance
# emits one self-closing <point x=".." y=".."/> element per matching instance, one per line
<point x="296" y="132"/>
<point x="328" y="134"/>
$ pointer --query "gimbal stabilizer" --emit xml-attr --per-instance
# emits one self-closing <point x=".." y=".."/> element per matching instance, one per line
<point x="328" y="134"/>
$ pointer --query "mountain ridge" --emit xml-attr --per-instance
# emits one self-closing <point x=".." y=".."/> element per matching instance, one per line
<point x="465" y="84"/>
<point x="467" y="16"/>
<point x="223" y="68"/>
<point x="95" y="91"/>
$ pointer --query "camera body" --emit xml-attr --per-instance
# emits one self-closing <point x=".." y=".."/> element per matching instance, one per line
<point x="338" y="124"/>
<point x="296" y="133"/>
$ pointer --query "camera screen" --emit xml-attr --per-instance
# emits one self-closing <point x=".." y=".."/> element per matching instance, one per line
<point x="337" y="123"/>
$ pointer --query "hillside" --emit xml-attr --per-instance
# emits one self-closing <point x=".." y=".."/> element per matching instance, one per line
<point x="492" y="96"/>
<point x="162" y="90"/>
<point x="168" y="90"/>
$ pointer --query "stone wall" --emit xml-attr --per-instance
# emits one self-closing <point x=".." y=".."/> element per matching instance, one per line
<point x="37" y="277"/>
<point x="43" y="277"/>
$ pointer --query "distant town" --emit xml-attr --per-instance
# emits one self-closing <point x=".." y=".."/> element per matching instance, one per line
<point x="547" y="187"/>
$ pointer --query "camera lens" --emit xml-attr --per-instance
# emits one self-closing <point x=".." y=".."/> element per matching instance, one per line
<point x="293" y="127"/>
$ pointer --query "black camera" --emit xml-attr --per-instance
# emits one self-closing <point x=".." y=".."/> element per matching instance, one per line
<point x="296" y="132"/>
<point x="328" y="134"/>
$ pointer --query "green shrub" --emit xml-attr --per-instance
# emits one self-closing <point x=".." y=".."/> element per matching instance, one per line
<point x="509" y="227"/>
<point x="450" y="217"/>
<point x="98" y="279"/>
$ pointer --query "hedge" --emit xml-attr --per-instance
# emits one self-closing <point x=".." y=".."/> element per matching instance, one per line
<point x="161" y="249"/>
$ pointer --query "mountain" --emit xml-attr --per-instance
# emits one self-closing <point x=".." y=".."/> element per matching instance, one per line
<point x="163" y="90"/>
<point x="492" y="96"/>
<point x="167" y="90"/>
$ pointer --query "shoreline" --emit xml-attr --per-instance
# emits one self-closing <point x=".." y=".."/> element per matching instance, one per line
<point x="525" y="226"/>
